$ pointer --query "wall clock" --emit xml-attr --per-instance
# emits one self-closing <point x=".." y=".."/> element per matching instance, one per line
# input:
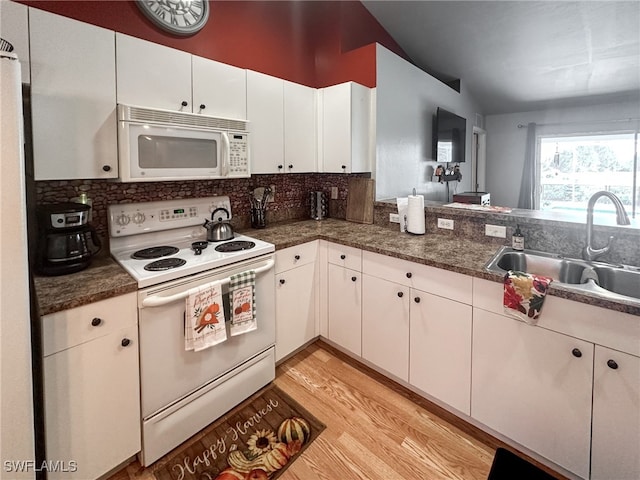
<point x="180" y="17"/>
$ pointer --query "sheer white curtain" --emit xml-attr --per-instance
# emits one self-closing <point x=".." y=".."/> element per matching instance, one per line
<point x="528" y="184"/>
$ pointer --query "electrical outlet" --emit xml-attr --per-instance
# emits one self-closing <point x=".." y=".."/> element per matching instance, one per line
<point x="445" y="223"/>
<point x="495" y="231"/>
<point x="334" y="193"/>
<point x="394" y="218"/>
<point x="272" y="196"/>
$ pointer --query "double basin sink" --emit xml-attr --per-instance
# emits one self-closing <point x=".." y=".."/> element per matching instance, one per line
<point x="614" y="282"/>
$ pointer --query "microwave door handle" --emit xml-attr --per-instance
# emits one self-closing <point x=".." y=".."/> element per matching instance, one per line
<point x="159" y="301"/>
<point x="226" y="154"/>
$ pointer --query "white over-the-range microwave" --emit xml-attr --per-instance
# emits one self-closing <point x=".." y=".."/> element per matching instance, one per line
<point x="160" y="145"/>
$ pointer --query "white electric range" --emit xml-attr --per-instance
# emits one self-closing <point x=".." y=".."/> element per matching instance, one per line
<point x="163" y="246"/>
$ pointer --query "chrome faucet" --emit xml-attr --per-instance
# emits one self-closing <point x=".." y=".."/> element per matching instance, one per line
<point x="590" y="253"/>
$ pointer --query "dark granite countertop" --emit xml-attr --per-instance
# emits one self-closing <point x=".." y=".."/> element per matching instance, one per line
<point x="104" y="278"/>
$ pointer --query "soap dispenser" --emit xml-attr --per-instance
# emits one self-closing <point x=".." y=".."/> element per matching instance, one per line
<point x="517" y="240"/>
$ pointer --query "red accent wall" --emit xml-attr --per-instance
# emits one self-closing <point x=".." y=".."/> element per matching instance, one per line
<point x="315" y="43"/>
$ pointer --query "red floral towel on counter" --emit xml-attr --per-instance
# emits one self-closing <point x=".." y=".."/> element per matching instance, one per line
<point x="524" y="294"/>
<point x="204" y="324"/>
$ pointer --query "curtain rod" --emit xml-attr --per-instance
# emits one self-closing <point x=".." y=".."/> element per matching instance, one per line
<point x="522" y="125"/>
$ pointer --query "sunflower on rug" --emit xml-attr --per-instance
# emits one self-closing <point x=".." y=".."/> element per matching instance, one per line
<point x="266" y="454"/>
<point x="257" y="440"/>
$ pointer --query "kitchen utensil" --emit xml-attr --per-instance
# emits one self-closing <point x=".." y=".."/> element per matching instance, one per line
<point x="218" y="230"/>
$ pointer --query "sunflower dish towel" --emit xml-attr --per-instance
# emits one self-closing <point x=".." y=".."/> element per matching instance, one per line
<point x="204" y="324"/>
<point x="524" y="295"/>
<point x="242" y="296"/>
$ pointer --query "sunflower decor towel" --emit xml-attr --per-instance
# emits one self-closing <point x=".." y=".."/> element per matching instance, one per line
<point x="524" y="295"/>
<point x="204" y="324"/>
<point x="242" y="296"/>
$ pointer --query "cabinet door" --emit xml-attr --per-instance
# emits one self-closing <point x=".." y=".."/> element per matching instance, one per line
<point x="92" y="407"/>
<point x="152" y="75"/>
<point x="533" y="386"/>
<point x="346" y="128"/>
<point x="616" y="416"/>
<point x="299" y="128"/>
<point x="73" y="91"/>
<point x="221" y="89"/>
<point x="385" y="325"/>
<point x="295" y="309"/>
<point x="440" y="349"/>
<point x="14" y="25"/>
<point x="265" y="112"/>
<point x="344" y="311"/>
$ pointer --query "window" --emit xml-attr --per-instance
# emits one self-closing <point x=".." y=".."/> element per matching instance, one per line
<point x="572" y="168"/>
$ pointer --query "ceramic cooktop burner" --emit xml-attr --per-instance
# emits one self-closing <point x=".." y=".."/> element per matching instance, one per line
<point x="235" y="246"/>
<point x="164" y="264"/>
<point x="154" y="252"/>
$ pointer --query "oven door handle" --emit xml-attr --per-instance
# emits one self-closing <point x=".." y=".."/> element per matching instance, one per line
<point x="158" y="300"/>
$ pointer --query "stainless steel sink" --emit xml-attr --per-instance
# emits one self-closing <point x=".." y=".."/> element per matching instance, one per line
<point x="614" y="282"/>
<point x="623" y="281"/>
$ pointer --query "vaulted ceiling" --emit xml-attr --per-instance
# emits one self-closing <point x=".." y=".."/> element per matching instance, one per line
<point x="522" y="55"/>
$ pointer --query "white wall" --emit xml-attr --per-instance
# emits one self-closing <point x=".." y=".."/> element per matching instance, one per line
<point x="506" y="142"/>
<point x="406" y="101"/>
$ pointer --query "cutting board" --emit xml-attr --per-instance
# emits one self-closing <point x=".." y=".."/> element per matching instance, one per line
<point x="360" y="200"/>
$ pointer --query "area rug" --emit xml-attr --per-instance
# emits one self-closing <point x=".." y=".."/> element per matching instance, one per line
<point x="509" y="466"/>
<point x="257" y="440"/>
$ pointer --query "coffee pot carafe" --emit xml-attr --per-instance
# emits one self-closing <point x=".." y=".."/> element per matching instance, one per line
<point x="66" y="242"/>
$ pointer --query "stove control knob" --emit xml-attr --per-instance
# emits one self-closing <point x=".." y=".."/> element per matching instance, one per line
<point x="123" y="219"/>
<point x="138" y="217"/>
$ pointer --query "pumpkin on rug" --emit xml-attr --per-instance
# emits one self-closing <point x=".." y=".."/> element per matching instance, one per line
<point x="257" y="440"/>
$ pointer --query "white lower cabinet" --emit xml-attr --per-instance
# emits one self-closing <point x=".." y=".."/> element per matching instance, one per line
<point x="92" y="387"/>
<point x="295" y="298"/>
<point x="615" y="433"/>
<point x="440" y="349"/>
<point x="533" y="386"/>
<point x="345" y="307"/>
<point x="385" y="325"/>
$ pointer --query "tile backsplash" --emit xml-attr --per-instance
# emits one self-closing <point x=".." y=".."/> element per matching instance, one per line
<point x="291" y="199"/>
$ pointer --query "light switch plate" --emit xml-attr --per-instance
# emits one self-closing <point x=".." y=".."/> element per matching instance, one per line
<point x="334" y="193"/>
<point x="394" y="218"/>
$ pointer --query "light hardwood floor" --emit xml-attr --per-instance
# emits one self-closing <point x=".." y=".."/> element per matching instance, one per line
<point x="376" y="429"/>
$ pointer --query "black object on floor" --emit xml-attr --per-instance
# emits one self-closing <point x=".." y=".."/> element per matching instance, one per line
<point x="508" y="466"/>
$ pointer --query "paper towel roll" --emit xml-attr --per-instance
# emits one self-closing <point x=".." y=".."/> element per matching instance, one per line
<point x="415" y="215"/>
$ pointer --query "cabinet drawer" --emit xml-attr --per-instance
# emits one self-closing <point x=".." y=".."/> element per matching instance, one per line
<point x="348" y="257"/>
<point x="62" y="330"/>
<point x="297" y="256"/>
<point x="437" y="281"/>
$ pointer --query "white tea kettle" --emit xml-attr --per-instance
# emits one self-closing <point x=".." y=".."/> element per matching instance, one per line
<point x="218" y="230"/>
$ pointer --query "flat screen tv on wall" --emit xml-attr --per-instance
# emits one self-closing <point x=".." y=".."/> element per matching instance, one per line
<point x="450" y="133"/>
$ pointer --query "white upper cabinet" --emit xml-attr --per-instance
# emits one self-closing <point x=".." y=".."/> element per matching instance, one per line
<point x="346" y="128"/>
<point x="300" y="132"/>
<point x="152" y="75"/>
<point x="265" y="112"/>
<point x="219" y="89"/>
<point x="14" y="28"/>
<point x="73" y="98"/>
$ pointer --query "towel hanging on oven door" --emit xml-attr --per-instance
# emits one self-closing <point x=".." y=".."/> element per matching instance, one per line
<point x="242" y="296"/>
<point x="204" y="324"/>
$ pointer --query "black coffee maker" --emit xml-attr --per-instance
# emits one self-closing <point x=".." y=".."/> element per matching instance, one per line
<point x="66" y="242"/>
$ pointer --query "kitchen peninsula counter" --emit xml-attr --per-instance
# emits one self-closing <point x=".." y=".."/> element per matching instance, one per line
<point x="105" y="278"/>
